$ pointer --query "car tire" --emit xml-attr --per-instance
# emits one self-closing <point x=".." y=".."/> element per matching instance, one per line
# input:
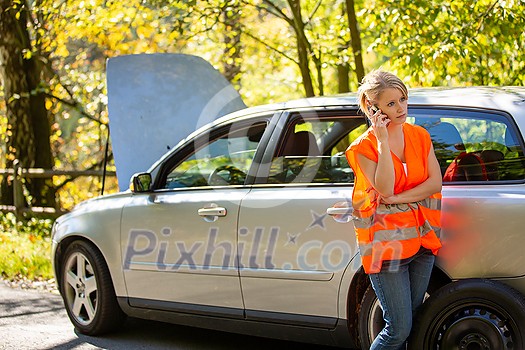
<point x="471" y="314"/>
<point x="370" y="318"/>
<point x="87" y="290"/>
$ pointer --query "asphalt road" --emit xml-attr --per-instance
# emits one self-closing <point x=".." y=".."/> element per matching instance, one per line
<point x="30" y="319"/>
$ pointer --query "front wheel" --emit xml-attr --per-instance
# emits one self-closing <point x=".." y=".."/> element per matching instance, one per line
<point x="87" y="290"/>
<point x="471" y="314"/>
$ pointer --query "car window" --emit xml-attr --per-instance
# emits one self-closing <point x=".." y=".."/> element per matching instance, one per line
<point x="313" y="150"/>
<point x="473" y="146"/>
<point x="221" y="159"/>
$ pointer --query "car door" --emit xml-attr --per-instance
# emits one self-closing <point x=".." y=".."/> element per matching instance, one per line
<point x="481" y="155"/>
<point x="179" y="241"/>
<point x="292" y="254"/>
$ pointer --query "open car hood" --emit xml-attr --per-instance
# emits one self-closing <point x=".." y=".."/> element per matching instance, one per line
<point x="156" y="100"/>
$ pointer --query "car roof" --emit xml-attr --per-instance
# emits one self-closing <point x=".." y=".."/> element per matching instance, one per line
<point x="506" y="98"/>
<point x="502" y="98"/>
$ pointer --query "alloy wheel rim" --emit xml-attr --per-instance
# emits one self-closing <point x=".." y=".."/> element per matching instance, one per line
<point x="375" y="320"/>
<point x="80" y="288"/>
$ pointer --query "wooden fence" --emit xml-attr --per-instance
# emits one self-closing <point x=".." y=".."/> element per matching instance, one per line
<point x="17" y="175"/>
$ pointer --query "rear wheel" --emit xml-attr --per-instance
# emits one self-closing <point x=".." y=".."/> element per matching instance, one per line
<point x="370" y="316"/>
<point x="471" y="314"/>
<point x="87" y="290"/>
<point x="370" y="319"/>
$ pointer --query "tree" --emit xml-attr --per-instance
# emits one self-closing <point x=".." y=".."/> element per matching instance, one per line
<point x="343" y="68"/>
<point x="28" y="129"/>
<point x="283" y="49"/>
<point x="322" y="41"/>
<point x="231" y="14"/>
<point x="355" y="35"/>
<point x="456" y="42"/>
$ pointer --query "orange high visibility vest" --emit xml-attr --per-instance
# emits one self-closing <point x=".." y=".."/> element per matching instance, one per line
<point x="394" y="232"/>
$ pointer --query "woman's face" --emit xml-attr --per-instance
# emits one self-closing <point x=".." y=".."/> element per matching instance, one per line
<point x="394" y="104"/>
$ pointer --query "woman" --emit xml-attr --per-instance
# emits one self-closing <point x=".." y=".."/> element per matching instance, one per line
<point x="397" y="203"/>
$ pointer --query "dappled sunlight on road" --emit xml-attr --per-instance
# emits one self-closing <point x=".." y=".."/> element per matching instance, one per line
<point x="30" y="319"/>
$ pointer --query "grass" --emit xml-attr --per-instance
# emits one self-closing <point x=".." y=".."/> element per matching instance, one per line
<point x="25" y="248"/>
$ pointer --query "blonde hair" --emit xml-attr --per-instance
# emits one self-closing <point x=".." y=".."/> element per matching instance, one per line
<point x="373" y="84"/>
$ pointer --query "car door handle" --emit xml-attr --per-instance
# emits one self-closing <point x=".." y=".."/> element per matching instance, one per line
<point x="340" y="214"/>
<point x="217" y="211"/>
<point x="339" y="211"/>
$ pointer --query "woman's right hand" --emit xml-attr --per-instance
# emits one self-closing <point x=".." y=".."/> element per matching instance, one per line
<point x="380" y="122"/>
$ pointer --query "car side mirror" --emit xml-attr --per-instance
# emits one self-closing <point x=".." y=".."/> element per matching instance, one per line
<point x="140" y="182"/>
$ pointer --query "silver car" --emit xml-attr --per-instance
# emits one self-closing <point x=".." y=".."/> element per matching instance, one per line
<point x="246" y="226"/>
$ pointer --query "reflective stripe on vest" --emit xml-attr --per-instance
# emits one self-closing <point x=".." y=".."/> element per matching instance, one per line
<point x="385" y="236"/>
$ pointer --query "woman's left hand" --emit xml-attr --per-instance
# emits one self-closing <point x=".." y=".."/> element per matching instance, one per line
<point x="391" y="200"/>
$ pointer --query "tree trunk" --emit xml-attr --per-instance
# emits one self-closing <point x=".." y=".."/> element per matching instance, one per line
<point x="355" y="36"/>
<point x="343" y="68"/>
<point x="343" y="81"/>
<point x="302" y="47"/>
<point x="28" y="128"/>
<point x="232" y="54"/>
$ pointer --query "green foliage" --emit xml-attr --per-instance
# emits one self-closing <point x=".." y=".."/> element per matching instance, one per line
<point x="3" y="129"/>
<point x="32" y="225"/>
<point x="428" y="43"/>
<point x="450" y="42"/>
<point x="25" y="247"/>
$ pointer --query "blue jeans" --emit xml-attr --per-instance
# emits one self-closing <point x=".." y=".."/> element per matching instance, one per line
<point x="400" y="289"/>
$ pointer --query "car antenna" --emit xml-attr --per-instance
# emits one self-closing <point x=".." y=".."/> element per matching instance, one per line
<point x="104" y="170"/>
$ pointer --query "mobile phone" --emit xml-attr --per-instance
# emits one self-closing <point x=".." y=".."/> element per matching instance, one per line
<point x="373" y="109"/>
